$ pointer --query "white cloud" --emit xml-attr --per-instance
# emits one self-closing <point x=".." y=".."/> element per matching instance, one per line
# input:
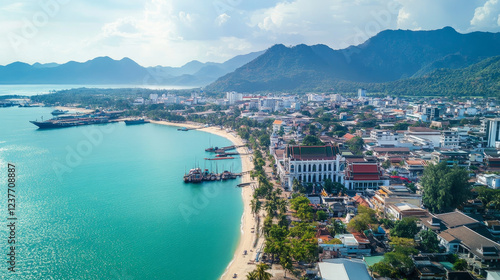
<point x="173" y="32"/>
<point x="487" y="15"/>
<point x="222" y="19"/>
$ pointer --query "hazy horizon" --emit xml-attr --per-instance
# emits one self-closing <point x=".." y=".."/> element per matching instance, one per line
<point x="174" y="32"/>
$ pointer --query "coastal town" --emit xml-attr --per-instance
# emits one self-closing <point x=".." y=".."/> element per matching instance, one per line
<point x="355" y="186"/>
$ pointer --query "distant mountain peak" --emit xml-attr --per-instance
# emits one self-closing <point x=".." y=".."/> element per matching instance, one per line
<point x="388" y="56"/>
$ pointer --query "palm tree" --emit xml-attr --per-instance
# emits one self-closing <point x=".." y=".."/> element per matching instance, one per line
<point x="252" y="275"/>
<point x="256" y="204"/>
<point x="262" y="274"/>
<point x="282" y="206"/>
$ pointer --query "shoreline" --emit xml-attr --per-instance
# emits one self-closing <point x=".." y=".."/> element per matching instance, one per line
<point x="239" y="262"/>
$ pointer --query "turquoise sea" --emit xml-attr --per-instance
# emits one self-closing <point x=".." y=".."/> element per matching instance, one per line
<point x="29" y="90"/>
<point x="108" y="202"/>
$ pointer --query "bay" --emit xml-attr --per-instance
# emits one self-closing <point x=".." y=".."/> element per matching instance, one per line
<point x="35" y="89"/>
<point x="108" y="201"/>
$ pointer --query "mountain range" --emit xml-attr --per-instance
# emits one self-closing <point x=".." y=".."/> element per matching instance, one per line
<point x="106" y="71"/>
<point x="381" y="63"/>
<point x="435" y="62"/>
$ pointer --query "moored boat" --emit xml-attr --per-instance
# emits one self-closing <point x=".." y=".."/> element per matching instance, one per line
<point x="58" y="112"/>
<point x="135" y="121"/>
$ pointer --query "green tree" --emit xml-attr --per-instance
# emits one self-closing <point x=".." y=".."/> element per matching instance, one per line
<point x="445" y="188"/>
<point x="264" y="140"/>
<point x="356" y="145"/>
<point x="328" y="185"/>
<point x="406" y="227"/>
<point x="361" y="222"/>
<point x="262" y="274"/>
<point x="321" y="215"/>
<point x="386" y="164"/>
<point x="312" y="140"/>
<point x="255" y="204"/>
<point x="252" y="275"/>
<point x="384" y="269"/>
<point x="430" y="243"/>
<point x="460" y="265"/>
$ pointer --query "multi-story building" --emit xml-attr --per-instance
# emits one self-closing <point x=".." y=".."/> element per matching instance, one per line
<point x="310" y="164"/>
<point x="234" y="97"/>
<point x="386" y="137"/>
<point x="361" y="176"/>
<point x="393" y="194"/>
<point x="449" y="139"/>
<point x="424" y="133"/>
<point x="493" y="132"/>
<point x="432" y="112"/>
<point x="490" y="180"/>
<point x="460" y="158"/>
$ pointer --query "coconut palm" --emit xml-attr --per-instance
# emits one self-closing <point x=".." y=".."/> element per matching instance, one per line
<point x="256" y="204"/>
<point x="262" y="274"/>
<point x="252" y="275"/>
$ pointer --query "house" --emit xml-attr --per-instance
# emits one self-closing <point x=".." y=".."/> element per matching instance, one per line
<point x="361" y="176"/>
<point x="415" y="168"/>
<point x="390" y="195"/>
<point x="343" y="269"/>
<point x="353" y="245"/>
<point x="481" y="253"/>
<point x="404" y="210"/>
<point x="441" y="222"/>
<point x="490" y="180"/>
<point x="428" y="270"/>
<point x="277" y="125"/>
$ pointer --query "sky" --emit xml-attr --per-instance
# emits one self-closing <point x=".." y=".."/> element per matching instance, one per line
<point x="174" y="32"/>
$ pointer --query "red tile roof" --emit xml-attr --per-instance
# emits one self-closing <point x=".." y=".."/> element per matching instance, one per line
<point x="361" y="238"/>
<point x="365" y="168"/>
<point x="365" y="177"/>
<point x="349" y="136"/>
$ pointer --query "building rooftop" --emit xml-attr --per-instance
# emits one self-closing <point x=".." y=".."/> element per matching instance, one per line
<point x="476" y="243"/>
<point x="421" y="129"/>
<point x="455" y="219"/>
<point x="343" y="269"/>
<point x="326" y="152"/>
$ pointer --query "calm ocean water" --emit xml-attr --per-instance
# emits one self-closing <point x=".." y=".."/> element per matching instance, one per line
<point x="108" y="202"/>
<point x="29" y="90"/>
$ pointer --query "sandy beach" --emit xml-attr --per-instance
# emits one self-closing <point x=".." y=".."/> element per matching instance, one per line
<point x="239" y="263"/>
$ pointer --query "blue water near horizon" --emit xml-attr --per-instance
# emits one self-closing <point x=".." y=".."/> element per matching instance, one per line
<point x="35" y="89"/>
<point x="108" y="201"/>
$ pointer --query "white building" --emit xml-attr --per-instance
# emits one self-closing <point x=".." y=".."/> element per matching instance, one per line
<point x="361" y="93"/>
<point x="449" y="139"/>
<point x="493" y="133"/>
<point x="490" y="180"/>
<point x="310" y="164"/>
<point x="315" y="97"/>
<point x="386" y="137"/>
<point x="426" y="133"/>
<point x="234" y="97"/>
